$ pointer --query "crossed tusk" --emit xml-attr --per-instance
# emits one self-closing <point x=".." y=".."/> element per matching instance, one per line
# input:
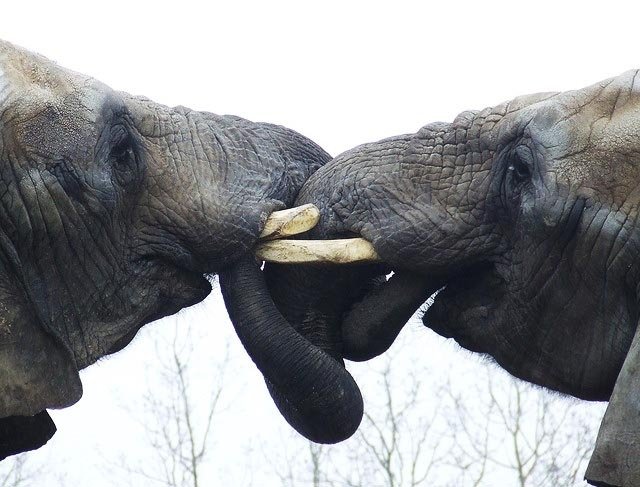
<point x="298" y="220"/>
<point x="343" y="251"/>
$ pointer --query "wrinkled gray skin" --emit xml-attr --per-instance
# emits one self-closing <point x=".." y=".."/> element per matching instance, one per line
<point x="527" y="214"/>
<point x="113" y="210"/>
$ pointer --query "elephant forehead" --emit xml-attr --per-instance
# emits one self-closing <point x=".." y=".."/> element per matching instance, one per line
<point x="31" y="84"/>
<point x="25" y="68"/>
<point x="576" y="111"/>
<point x="47" y="109"/>
<point x="4" y="86"/>
<point x="591" y="137"/>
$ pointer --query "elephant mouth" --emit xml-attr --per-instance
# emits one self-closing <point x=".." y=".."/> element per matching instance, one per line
<point x="371" y="324"/>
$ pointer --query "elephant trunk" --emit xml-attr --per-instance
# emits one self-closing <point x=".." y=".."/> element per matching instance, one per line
<point x="311" y="388"/>
<point x="372" y="324"/>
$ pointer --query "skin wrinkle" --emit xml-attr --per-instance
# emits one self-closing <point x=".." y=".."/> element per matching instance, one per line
<point x="4" y="92"/>
<point x="103" y="238"/>
<point x="556" y="268"/>
<point x="629" y="241"/>
<point x="19" y="193"/>
<point x="564" y="241"/>
<point x="620" y="228"/>
<point x="81" y="259"/>
<point x="68" y="332"/>
<point x="157" y="193"/>
<point x="199" y="154"/>
<point x="68" y="241"/>
<point x="281" y="149"/>
<point x="547" y="335"/>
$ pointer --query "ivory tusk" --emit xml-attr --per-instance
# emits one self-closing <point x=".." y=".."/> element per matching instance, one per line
<point x="343" y="251"/>
<point x="291" y="221"/>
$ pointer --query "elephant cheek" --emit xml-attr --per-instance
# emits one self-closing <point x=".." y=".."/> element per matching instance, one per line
<point x="467" y="310"/>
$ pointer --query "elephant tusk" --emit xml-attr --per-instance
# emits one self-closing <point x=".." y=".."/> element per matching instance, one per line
<point x="343" y="251"/>
<point x="291" y="221"/>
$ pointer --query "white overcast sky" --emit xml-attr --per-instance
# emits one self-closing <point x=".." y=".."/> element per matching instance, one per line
<point x="340" y="72"/>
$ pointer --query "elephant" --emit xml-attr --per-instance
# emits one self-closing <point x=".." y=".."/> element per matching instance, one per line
<point x="116" y="211"/>
<point x="521" y="220"/>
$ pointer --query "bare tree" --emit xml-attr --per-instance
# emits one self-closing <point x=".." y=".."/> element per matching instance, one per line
<point x="18" y="471"/>
<point x="505" y="428"/>
<point x="24" y="471"/>
<point x="397" y="444"/>
<point x="307" y="465"/>
<point x="179" y="425"/>
<point x="484" y="428"/>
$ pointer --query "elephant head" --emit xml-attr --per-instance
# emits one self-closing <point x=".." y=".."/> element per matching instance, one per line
<point x="526" y="217"/>
<point x="114" y="210"/>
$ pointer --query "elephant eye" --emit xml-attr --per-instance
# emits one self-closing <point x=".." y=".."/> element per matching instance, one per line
<point x="122" y="153"/>
<point x="123" y="156"/>
<point x="519" y="166"/>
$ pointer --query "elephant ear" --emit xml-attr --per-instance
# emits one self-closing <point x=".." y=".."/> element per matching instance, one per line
<point x="616" y="458"/>
<point x="23" y="433"/>
<point x="36" y="372"/>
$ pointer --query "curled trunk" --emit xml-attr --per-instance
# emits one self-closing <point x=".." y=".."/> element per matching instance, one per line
<point x="311" y="388"/>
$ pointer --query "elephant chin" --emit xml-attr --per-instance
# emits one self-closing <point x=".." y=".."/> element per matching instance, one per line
<point x="311" y="388"/>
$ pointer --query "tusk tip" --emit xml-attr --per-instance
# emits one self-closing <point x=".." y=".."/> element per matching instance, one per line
<point x="291" y="221"/>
